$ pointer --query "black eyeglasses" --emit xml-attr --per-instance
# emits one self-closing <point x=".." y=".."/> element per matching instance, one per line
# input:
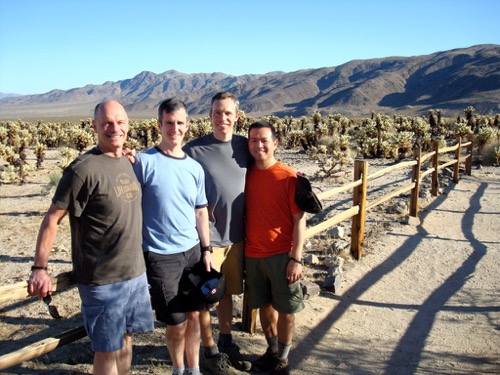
<point x="52" y="309"/>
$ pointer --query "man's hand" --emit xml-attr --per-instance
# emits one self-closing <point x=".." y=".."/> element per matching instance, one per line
<point x="129" y="154"/>
<point x="39" y="283"/>
<point x="293" y="272"/>
<point x="208" y="261"/>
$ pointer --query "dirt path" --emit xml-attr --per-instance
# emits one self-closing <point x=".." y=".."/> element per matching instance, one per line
<point x="424" y="300"/>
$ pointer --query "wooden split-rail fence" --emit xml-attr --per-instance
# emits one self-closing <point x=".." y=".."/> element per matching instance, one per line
<point x="422" y="165"/>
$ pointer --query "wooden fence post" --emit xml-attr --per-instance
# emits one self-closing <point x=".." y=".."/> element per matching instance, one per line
<point x="456" y="167"/>
<point x="468" y="162"/>
<point x="359" y="198"/>
<point x="248" y="315"/>
<point x="417" y="154"/>
<point x="435" y="164"/>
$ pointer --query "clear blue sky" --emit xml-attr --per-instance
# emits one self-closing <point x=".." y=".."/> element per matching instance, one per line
<point x="63" y="44"/>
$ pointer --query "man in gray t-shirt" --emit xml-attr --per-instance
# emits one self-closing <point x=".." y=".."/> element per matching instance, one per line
<point x="225" y="158"/>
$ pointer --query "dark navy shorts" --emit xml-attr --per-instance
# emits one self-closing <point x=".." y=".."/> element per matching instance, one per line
<point x="170" y="300"/>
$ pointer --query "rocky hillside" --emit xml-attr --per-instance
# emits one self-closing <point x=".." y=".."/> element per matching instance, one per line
<point x="449" y="80"/>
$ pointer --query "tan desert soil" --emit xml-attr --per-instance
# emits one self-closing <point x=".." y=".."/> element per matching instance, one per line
<point x="423" y="300"/>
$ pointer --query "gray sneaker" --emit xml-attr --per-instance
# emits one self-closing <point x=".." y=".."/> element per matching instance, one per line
<point x="218" y="364"/>
<point x="235" y="357"/>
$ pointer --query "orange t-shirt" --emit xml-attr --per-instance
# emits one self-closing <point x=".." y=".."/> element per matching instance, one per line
<point x="270" y="206"/>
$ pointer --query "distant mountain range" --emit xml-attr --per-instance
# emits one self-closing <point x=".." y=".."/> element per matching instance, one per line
<point x="4" y="95"/>
<point x="450" y="81"/>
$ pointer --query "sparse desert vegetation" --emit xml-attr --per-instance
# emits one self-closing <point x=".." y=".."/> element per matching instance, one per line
<point x="330" y="141"/>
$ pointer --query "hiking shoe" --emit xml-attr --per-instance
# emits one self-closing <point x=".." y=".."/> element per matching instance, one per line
<point x="235" y="357"/>
<point x="281" y="367"/>
<point x="218" y="364"/>
<point x="266" y="362"/>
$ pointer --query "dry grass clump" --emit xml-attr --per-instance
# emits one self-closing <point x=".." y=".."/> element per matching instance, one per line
<point x="490" y="154"/>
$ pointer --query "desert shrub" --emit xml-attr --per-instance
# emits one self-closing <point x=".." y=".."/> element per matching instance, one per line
<point x="330" y="161"/>
<point x="55" y="177"/>
<point x="490" y="154"/>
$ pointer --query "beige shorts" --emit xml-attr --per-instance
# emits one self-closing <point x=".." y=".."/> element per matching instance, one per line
<point x="230" y="261"/>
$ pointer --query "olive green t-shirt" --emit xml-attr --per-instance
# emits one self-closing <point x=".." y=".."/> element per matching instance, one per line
<point x="103" y="198"/>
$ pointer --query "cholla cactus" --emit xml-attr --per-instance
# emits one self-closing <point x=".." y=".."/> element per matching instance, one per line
<point x="3" y="133"/>
<point x="7" y="153"/>
<point x="403" y="143"/>
<point x="198" y="128"/>
<point x="40" y="155"/>
<point x="483" y="136"/>
<point x="146" y="132"/>
<point x="402" y="124"/>
<point x="132" y="144"/>
<point x="343" y="142"/>
<point x="461" y="129"/>
<point x="321" y="130"/>
<point x="293" y="139"/>
<point x="421" y="130"/>
<point x="368" y="147"/>
<point x="16" y="172"/>
<point x="10" y="175"/>
<point x="67" y="156"/>
<point x="309" y="140"/>
<point x="53" y="135"/>
<point x="81" y="139"/>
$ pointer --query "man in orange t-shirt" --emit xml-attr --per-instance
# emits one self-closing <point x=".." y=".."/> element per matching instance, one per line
<point x="273" y="247"/>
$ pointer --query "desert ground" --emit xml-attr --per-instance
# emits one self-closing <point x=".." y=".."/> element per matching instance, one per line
<point x="422" y="300"/>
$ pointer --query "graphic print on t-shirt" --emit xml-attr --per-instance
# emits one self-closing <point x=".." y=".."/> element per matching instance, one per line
<point x="126" y="187"/>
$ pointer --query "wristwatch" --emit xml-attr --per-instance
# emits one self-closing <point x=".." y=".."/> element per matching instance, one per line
<point x="207" y="248"/>
<point x="33" y="268"/>
<point x="301" y="262"/>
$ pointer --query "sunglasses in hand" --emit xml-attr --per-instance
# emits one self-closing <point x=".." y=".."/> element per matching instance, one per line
<point x="52" y="309"/>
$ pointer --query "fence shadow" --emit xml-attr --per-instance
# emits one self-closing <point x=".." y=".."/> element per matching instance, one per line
<point x="421" y="325"/>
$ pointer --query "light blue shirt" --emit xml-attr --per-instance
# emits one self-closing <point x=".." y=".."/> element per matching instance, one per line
<point x="171" y="190"/>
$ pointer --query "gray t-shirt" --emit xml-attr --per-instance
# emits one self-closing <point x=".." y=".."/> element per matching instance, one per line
<point x="225" y="165"/>
<point x="103" y="198"/>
